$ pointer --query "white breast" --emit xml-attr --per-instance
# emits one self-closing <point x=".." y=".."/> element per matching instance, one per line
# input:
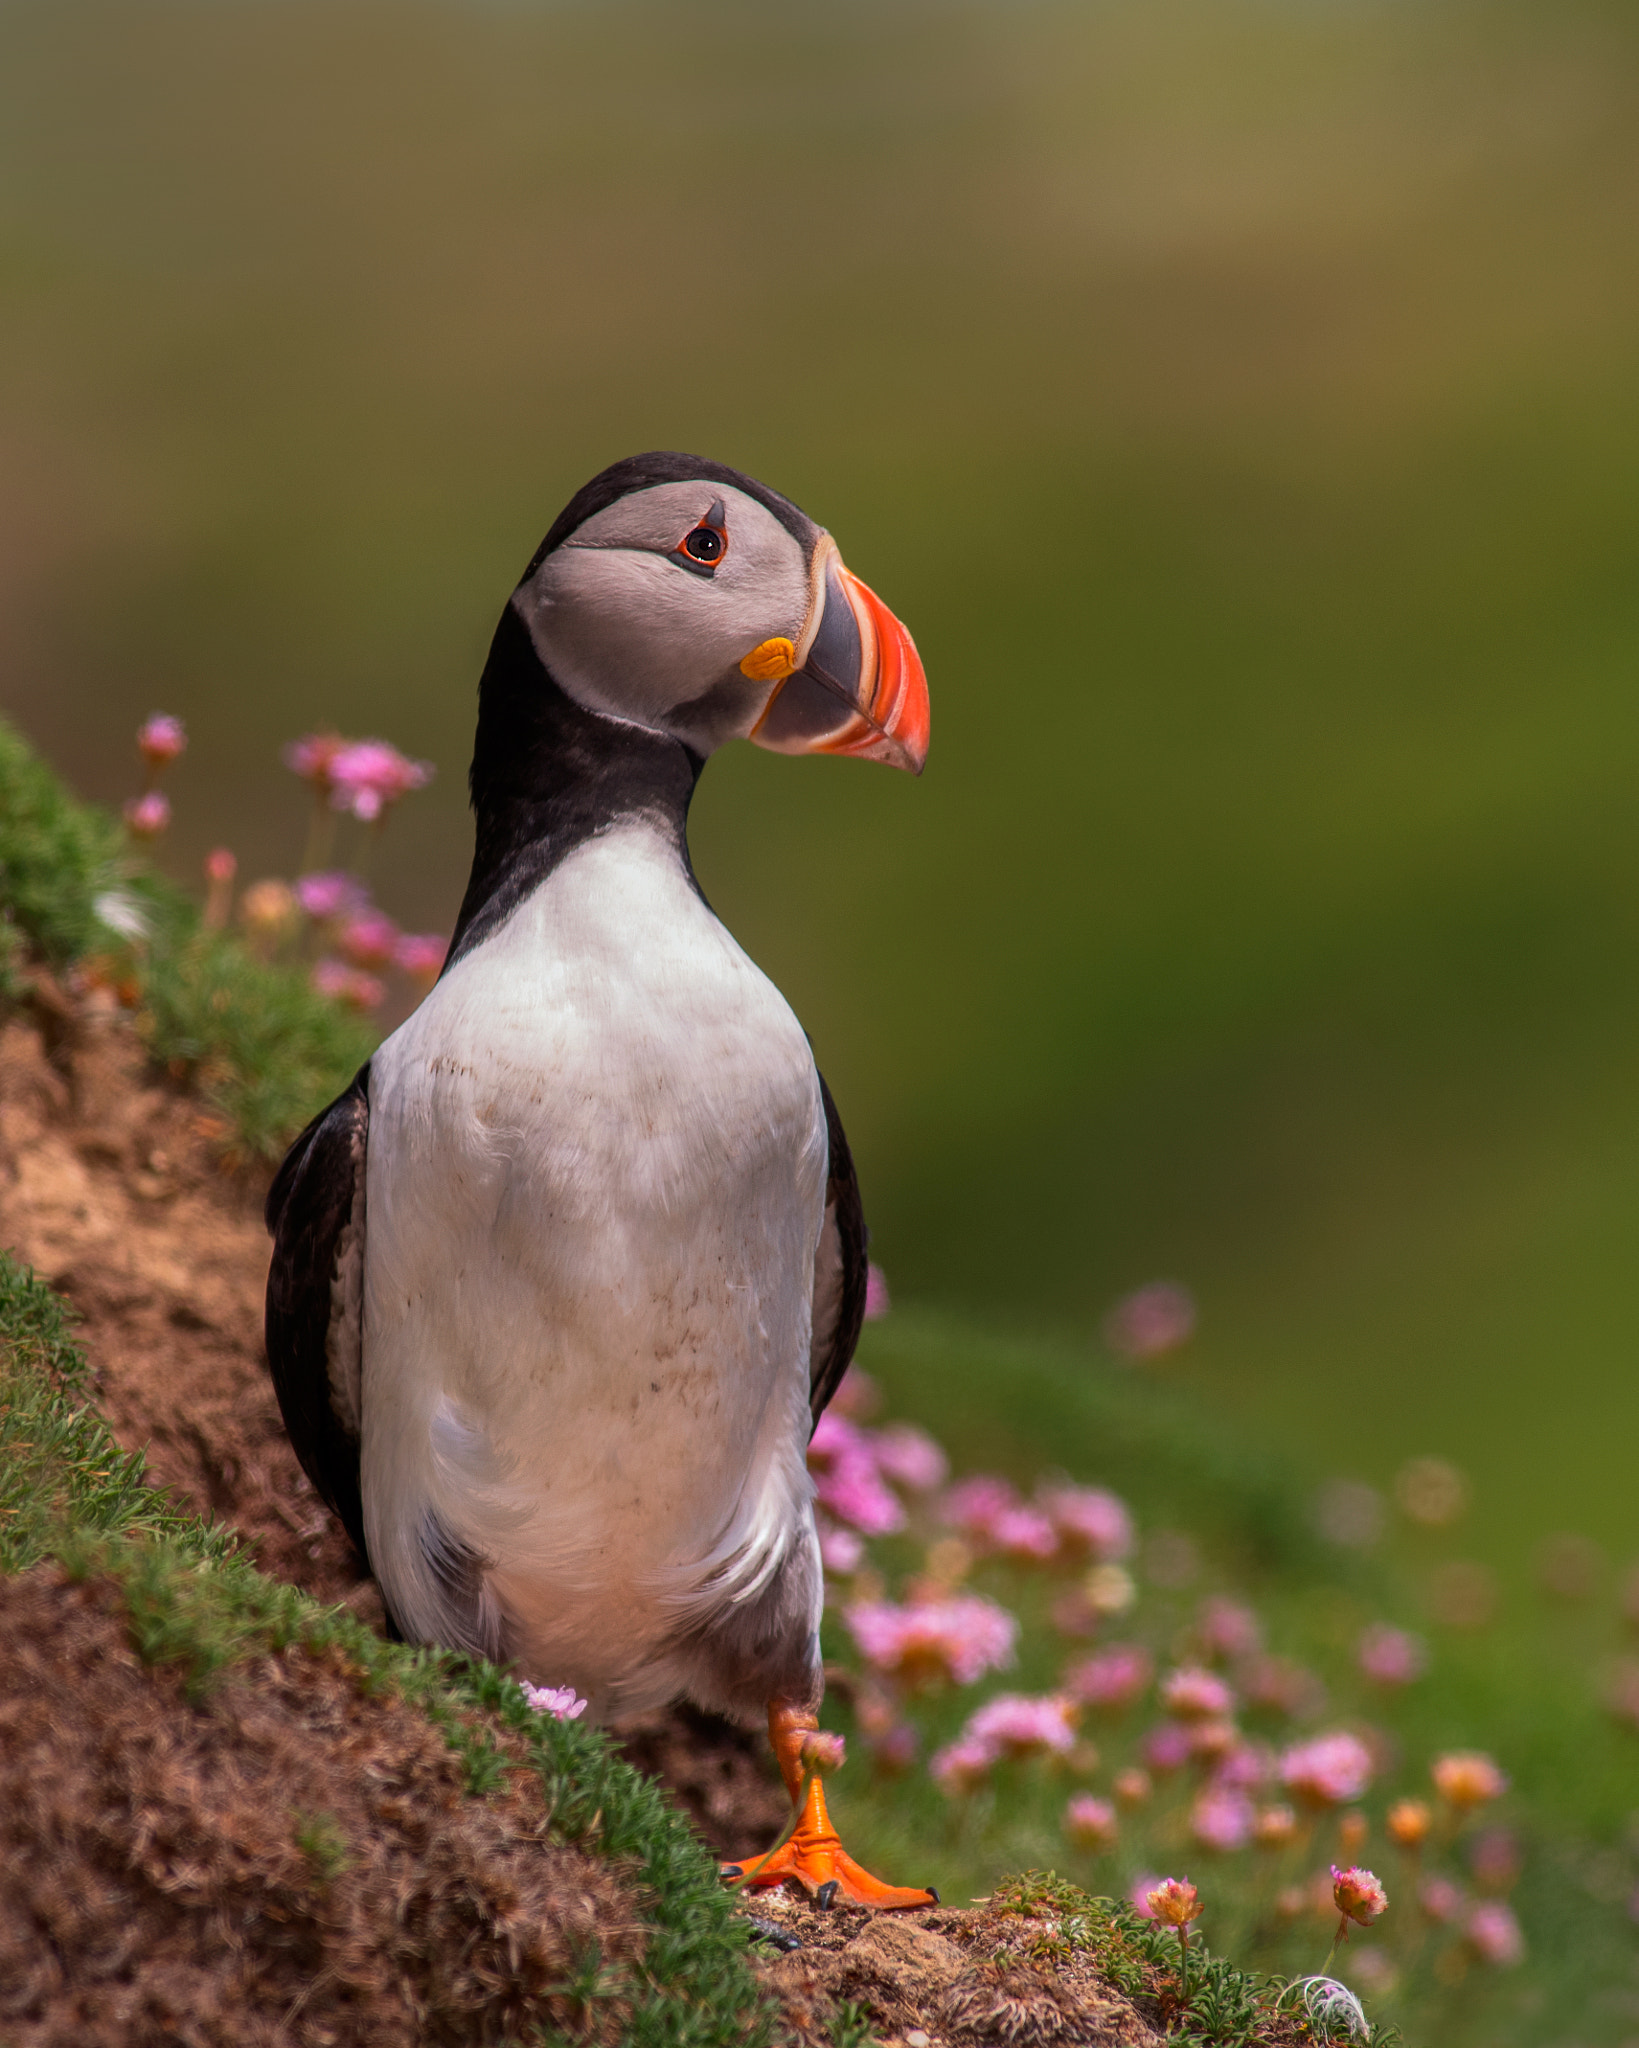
<point x="596" y="1179"/>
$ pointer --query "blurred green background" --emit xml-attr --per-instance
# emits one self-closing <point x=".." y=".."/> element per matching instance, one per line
<point x="1238" y="399"/>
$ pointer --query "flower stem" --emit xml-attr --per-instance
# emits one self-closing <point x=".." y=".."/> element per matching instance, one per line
<point x="1342" y="1934"/>
<point x="1183" y="1966"/>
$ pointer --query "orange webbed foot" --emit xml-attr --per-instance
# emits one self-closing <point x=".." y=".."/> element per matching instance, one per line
<point x="814" y="1856"/>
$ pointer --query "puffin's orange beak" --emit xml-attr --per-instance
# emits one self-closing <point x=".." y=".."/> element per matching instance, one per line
<point x="854" y="682"/>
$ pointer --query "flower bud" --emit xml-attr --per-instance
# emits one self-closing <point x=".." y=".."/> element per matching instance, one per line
<point x="1408" y="1822"/>
<point x="821" y="1752"/>
<point x="1357" y="1895"/>
<point x="147" y="816"/>
<point x="1132" y="1786"/>
<point x="160" y="739"/>
<point x="268" y="910"/>
<point x="1275" y="1827"/>
<point x="1467" y="1778"/>
<point x="1175" y="1901"/>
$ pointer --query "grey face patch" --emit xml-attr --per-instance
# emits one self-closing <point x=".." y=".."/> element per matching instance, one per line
<point x="631" y="631"/>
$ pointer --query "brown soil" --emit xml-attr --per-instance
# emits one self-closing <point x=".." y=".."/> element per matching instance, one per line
<point x="958" y="1978"/>
<point x="289" y="1862"/>
<point x="110" y="1187"/>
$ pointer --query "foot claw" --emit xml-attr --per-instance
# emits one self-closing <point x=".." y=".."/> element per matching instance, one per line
<point x="815" y="1858"/>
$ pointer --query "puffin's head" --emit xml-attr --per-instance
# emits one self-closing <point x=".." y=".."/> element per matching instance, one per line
<point x="677" y="595"/>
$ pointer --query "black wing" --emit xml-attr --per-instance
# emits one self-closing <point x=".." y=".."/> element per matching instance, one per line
<point x="839" y="1268"/>
<point x="315" y="1212"/>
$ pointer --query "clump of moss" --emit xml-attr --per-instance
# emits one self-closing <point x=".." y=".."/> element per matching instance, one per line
<point x="1225" y="2007"/>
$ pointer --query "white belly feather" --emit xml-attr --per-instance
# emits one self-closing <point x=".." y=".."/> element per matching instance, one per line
<point x="596" y="1179"/>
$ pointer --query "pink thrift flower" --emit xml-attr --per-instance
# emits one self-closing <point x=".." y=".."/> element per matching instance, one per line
<point x="367" y="777"/>
<point x="1090" y="1519"/>
<point x="1091" y="1823"/>
<point x="1357" y="1895"/>
<point x="958" y="1639"/>
<point x="560" y="1701"/>
<point x="1228" y="1630"/>
<point x="1389" y="1656"/>
<point x="1167" y="1748"/>
<point x="854" y="1492"/>
<point x="1282" y="1687"/>
<point x="1024" y="1534"/>
<point x="1493" y="1933"/>
<point x="1175" y="1901"/>
<point x="1440" y="1899"/>
<point x="1329" y="1770"/>
<point x="846" y="1480"/>
<point x="895" y="1748"/>
<point x="1142" y="1886"/>
<point x="221" y="866"/>
<point x="910" y="1457"/>
<point x="877" y="1299"/>
<point x="961" y="1766"/>
<point x="369" y="939"/>
<point x="325" y="897"/>
<point x="973" y="1505"/>
<point x="311" y="756"/>
<point x="1151" y="1322"/>
<point x="1194" y="1694"/>
<point x="1467" y="1778"/>
<point x="1222" y="1819"/>
<point x="161" y="739"/>
<point x="1112" y="1678"/>
<point x="1019" y="1724"/>
<point x="421" y="956"/>
<point x="858" y="1396"/>
<point x="147" y="816"/>
<point x="1213" y="1741"/>
<point x="349" y="986"/>
<point x="841" y="1551"/>
<point x="1495" y="1860"/>
<point x="1245" y="1766"/>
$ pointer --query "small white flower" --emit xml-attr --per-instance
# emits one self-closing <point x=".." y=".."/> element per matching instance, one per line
<point x="119" y="911"/>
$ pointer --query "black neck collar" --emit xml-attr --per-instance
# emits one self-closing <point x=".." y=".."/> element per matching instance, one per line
<point x="548" y="774"/>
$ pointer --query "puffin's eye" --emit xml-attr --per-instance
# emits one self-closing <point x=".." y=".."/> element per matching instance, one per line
<point x="705" y="545"/>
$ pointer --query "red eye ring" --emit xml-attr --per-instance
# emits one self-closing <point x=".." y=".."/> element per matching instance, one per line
<point x="705" y="544"/>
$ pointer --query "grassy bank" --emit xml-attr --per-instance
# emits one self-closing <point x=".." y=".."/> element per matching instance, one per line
<point x="1218" y="1515"/>
<point x="193" y="1609"/>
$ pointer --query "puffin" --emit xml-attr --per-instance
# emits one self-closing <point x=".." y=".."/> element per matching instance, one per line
<point x="563" y="1281"/>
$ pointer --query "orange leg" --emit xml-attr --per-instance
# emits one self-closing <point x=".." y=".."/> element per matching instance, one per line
<point x="814" y="1856"/>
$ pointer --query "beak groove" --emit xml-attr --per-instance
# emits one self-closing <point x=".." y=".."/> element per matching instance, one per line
<point x="859" y="687"/>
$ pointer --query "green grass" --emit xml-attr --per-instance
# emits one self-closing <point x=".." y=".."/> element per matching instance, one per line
<point x="66" y="1490"/>
<point x="257" y="1044"/>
